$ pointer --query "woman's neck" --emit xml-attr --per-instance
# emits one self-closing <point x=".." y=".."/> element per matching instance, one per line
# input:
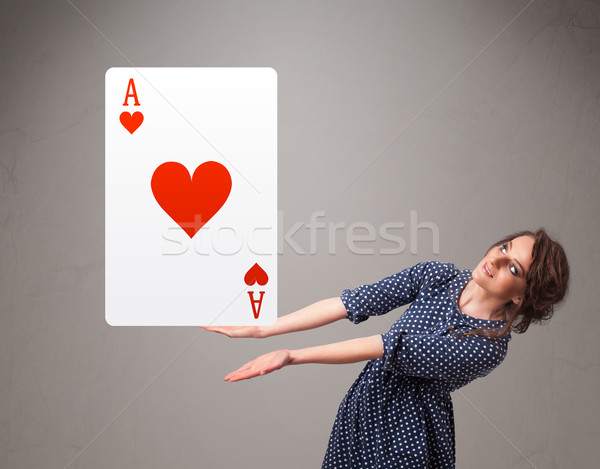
<point x="476" y="302"/>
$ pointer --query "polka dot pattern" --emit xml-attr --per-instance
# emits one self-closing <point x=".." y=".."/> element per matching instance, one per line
<point x="398" y="413"/>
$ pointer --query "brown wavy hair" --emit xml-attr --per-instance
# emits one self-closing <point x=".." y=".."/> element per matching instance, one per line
<point x="547" y="283"/>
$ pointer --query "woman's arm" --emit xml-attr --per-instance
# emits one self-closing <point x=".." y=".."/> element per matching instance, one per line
<point x="349" y="351"/>
<point x="315" y="315"/>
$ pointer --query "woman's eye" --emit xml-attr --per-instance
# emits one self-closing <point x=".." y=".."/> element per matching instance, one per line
<point x="513" y="269"/>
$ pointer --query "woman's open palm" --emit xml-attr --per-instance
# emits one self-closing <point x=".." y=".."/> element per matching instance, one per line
<point x="262" y="365"/>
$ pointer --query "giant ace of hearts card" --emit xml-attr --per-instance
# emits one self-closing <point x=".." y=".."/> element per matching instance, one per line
<point x="191" y="196"/>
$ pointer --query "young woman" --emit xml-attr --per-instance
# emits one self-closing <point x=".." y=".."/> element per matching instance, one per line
<point x="398" y="413"/>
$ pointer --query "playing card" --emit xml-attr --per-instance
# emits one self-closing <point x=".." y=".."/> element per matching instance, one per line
<point x="191" y="196"/>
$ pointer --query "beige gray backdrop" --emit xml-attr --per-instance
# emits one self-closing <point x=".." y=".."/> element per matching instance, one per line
<point x="455" y="121"/>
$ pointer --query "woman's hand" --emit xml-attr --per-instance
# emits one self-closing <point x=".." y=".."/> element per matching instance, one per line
<point x="262" y="365"/>
<point x="256" y="332"/>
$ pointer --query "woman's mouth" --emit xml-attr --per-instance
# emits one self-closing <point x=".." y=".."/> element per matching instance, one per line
<point x="486" y="270"/>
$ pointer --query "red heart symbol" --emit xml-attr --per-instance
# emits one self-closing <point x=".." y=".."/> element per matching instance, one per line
<point x="131" y="122"/>
<point x="191" y="202"/>
<point x="256" y="274"/>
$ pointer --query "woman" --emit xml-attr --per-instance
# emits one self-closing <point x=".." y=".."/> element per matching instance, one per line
<point x="398" y="412"/>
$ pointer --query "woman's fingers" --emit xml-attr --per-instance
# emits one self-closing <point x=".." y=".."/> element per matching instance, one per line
<point x="236" y="331"/>
<point x="229" y="331"/>
<point x="249" y="370"/>
<point x="241" y="371"/>
<point x="240" y="375"/>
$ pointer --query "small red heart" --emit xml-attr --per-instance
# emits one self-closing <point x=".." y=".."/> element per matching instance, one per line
<point x="191" y="202"/>
<point x="256" y="274"/>
<point x="131" y="122"/>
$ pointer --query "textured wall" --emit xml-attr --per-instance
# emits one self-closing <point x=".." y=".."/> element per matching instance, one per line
<point x="480" y="117"/>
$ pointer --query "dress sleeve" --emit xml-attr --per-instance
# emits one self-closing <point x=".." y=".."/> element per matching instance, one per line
<point x="442" y="357"/>
<point x="389" y="293"/>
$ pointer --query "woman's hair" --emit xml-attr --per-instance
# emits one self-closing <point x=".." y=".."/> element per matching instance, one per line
<point x="546" y="285"/>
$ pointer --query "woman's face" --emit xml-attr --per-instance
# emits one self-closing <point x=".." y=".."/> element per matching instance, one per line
<point x="503" y="270"/>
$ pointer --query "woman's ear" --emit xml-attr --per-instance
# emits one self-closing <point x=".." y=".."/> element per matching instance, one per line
<point x="516" y="300"/>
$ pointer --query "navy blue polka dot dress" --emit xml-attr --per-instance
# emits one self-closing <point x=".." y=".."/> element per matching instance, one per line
<point x="398" y="413"/>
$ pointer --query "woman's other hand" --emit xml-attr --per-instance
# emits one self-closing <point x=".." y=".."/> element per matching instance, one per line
<point x="256" y="332"/>
<point x="262" y="365"/>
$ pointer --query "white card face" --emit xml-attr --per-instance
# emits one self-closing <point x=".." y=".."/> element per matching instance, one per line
<point x="191" y="196"/>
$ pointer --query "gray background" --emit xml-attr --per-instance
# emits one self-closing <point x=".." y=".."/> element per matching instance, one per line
<point x="480" y="133"/>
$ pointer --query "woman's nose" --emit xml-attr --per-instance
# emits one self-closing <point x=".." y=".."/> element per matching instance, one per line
<point x="496" y="261"/>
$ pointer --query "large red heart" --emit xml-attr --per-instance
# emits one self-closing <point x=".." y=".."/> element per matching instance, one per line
<point x="131" y="122"/>
<point x="191" y="202"/>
